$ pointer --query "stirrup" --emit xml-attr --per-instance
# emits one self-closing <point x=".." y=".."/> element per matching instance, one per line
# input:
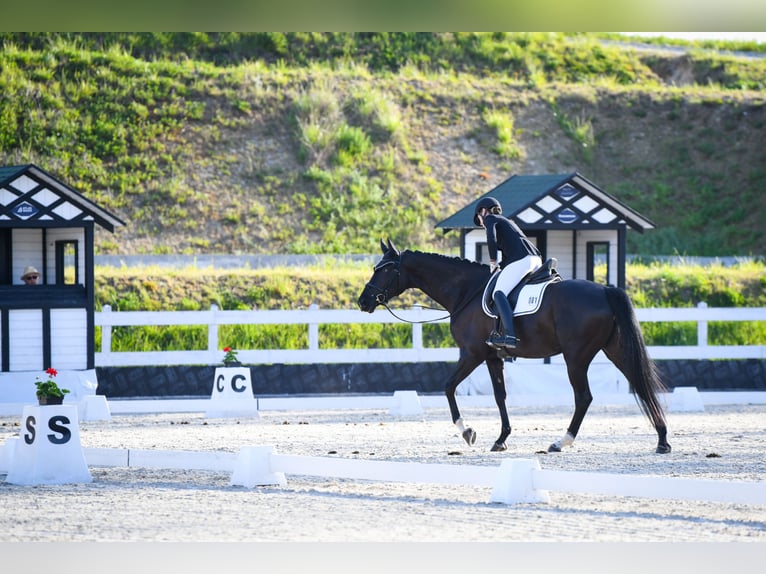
<point x="493" y="335"/>
<point x="498" y="340"/>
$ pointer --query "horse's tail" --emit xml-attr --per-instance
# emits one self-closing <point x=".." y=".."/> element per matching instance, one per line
<point x="638" y="367"/>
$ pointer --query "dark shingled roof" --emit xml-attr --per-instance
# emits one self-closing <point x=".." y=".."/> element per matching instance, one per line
<point x="519" y="192"/>
<point x="10" y="173"/>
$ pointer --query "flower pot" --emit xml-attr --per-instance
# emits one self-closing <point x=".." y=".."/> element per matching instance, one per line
<point x="42" y="401"/>
<point x="232" y="364"/>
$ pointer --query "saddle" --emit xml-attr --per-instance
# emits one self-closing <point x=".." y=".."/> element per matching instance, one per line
<point x="546" y="273"/>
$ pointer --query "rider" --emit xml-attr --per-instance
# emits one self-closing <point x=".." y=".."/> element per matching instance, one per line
<point x="520" y="257"/>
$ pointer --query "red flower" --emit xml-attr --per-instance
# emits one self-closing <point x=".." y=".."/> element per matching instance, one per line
<point x="230" y="356"/>
<point x="52" y="372"/>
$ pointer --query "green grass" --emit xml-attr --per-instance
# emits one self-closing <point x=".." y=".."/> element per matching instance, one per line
<point x="502" y="123"/>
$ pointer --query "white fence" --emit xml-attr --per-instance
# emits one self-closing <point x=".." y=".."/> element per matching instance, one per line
<point x="314" y="317"/>
<point x="512" y="481"/>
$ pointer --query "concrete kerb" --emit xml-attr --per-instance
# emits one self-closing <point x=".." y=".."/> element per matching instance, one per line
<point x="410" y="403"/>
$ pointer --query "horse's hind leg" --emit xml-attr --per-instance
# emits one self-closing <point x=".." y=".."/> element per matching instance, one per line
<point x="644" y="384"/>
<point x="578" y="377"/>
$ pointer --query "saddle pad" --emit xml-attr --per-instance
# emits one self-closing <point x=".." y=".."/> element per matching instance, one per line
<point x="529" y="301"/>
<point x="530" y="298"/>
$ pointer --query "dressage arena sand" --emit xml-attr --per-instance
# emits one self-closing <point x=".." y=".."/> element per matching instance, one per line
<point x="141" y="505"/>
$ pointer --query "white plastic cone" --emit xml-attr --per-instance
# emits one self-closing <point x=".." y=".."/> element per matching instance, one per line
<point x="686" y="399"/>
<point x="253" y="468"/>
<point x="514" y="483"/>
<point x="405" y="403"/>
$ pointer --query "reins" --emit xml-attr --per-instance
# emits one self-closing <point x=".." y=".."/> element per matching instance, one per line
<point x="447" y="316"/>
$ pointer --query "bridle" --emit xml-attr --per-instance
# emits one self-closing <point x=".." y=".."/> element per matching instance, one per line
<point x="381" y="293"/>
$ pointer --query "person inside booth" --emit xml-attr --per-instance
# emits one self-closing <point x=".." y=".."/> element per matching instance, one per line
<point x="31" y="276"/>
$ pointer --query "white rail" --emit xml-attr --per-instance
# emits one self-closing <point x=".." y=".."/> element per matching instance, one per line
<point x="313" y="317"/>
<point x="513" y="481"/>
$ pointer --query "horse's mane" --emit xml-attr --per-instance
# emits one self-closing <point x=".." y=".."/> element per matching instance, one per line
<point x="452" y="259"/>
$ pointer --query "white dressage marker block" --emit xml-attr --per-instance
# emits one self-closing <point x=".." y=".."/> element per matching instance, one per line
<point x="253" y="468"/>
<point x="6" y="453"/>
<point x="232" y="394"/>
<point x="48" y="450"/>
<point x="515" y="482"/>
<point x="405" y="403"/>
<point x="95" y="408"/>
<point x="228" y="408"/>
<point x="686" y="399"/>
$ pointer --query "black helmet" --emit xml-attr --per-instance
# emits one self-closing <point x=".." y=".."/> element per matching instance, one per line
<point x="489" y="203"/>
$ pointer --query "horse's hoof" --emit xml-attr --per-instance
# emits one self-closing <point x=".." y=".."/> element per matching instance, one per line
<point x="498" y="447"/>
<point x="663" y="448"/>
<point x="470" y="436"/>
<point x="554" y="448"/>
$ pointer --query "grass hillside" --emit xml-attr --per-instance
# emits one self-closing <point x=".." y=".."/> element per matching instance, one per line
<point x="325" y="143"/>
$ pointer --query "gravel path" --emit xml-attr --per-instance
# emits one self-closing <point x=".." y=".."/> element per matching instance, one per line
<point x="139" y="504"/>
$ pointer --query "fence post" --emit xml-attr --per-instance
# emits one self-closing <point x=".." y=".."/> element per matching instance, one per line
<point x="106" y="331"/>
<point x="702" y="327"/>
<point x="417" y="329"/>
<point x="212" y="330"/>
<point x="313" y="331"/>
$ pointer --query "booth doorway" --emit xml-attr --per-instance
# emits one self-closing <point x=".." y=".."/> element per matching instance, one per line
<point x="598" y="262"/>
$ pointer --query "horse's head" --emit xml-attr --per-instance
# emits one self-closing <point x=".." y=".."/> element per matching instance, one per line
<point x="384" y="283"/>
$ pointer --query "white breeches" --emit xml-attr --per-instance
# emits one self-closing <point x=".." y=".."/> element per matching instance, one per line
<point x="515" y="272"/>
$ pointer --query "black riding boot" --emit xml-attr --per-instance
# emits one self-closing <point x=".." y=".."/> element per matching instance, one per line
<point x="505" y="312"/>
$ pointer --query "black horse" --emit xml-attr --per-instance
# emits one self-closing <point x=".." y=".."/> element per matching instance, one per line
<point x="576" y="318"/>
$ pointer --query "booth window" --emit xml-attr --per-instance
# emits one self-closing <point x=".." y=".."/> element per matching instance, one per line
<point x="482" y="253"/>
<point x="67" y="268"/>
<point x="598" y="262"/>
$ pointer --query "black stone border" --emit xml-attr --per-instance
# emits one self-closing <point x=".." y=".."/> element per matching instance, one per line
<point x="385" y="378"/>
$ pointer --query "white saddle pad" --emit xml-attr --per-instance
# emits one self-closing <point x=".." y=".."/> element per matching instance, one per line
<point x="530" y="299"/>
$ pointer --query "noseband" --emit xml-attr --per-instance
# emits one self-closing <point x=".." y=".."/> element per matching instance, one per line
<point x="381" y="294"/>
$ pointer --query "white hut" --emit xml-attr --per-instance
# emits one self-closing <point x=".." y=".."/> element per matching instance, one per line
<point x="567" y="216"/>
<point x="48" y="226"/>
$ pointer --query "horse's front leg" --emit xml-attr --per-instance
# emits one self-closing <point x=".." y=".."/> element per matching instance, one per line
<point x="495" y="368"/>
<point x="465" y="365"/>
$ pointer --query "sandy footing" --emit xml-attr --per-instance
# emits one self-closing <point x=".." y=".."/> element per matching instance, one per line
<point x="140" y="504"/>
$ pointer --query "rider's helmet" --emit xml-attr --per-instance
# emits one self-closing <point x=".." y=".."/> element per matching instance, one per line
<point x="489" y="203"/>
